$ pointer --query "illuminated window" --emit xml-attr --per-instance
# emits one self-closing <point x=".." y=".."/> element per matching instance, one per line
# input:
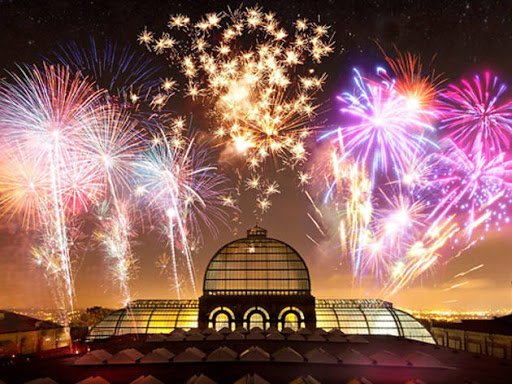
<point x="291" y="317"/>
<point x="256" y="317"/>
<point x="221" y="321"/>
<point x="222" y="317"/>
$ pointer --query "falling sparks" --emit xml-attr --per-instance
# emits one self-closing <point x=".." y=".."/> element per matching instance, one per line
<point x="42" y="112"/>
<point x="183" y="190"/>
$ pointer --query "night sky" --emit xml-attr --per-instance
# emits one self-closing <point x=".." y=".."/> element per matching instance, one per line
<point x="461" y="37"/>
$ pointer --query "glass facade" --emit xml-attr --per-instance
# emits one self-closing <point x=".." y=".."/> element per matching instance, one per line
<point x="256" y="265"/>
<point x="353" y="317"/>
<point x="146" y="317"/>
<point x="369" y="317"/>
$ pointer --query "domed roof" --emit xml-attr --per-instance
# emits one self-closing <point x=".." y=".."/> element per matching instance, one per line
<point x="257" y="265"/>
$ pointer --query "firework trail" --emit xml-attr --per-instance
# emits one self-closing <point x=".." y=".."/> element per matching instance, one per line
<point x="183" y="190"/>
<point x="352" y="182"/>
<point x="256" y="77"/>
<point x="116" y="235"/>
<point x="422" y="255"/>
<point x="112" y="143"/>
<point x="476" y="116"/>
<point x="464" y="273"/>
<point x="41" y="115"/>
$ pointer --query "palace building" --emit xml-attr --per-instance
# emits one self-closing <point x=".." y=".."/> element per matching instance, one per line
<point x="258" y="322"/>
<point x="258" y="281"/>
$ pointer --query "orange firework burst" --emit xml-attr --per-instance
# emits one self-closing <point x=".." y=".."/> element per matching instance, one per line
<point x="411" y="81"/>
<point x="258" y="76"/>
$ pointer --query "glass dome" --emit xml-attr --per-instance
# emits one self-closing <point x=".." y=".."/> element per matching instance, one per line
<point x="257" y="265"/>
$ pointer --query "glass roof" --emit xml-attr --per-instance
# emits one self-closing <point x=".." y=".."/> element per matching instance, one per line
<point x="369" y="317"/>
<point x="360" y="317"/>
<point x="146" y="317"/>
<point x="256" y="265"/>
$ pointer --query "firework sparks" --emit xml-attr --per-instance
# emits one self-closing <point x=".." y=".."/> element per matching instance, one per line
<point x="423" y="254"/>
<point x="112" y="144"/>
<point x="388" y="131"/>
<point x="115" y="235"/>
<point x="476" y="116"/>
<point x="470" y="183"/>
<point x="184" y="190"/>
<point x="42" y="112"/>
<point x="258" y="80"/>
<point x="126" y="72"/>
<point x="418" y="89"/>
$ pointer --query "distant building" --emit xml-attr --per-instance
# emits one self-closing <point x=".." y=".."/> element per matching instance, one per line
<point x="487" y="337"/>
<point x="262" y="282"/>
<point x="24" y="335"/>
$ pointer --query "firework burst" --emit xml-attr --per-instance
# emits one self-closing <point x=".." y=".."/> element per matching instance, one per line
<point x="476" y="116"/>
<point x="257" y="78"/>
<point x="41" y="115"/>
<point x="384" y="131"/>
<point x="183" y="189"/>
<point x="127" y="73"/>
<point x="471" y="185"/>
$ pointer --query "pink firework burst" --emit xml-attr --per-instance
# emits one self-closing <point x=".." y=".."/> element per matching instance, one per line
<point x="476" y="115"/>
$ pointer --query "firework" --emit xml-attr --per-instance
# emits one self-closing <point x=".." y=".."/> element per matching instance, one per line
<point x="476" y="116"/>
<point x="126" y="72"/>
<point x="470" y="185"/>
<point x="115" y="235"/>
<point x="41" y="115"/>
<point x="23" y="188"/>
<point x="111" y="144"/>
<point x="398" y="198"/>
<point x="384" y="131"/>
<point x="184" y="190"/>
<point x="399" y="220"/>
<point x="419" y="90"/>
<point x="256" y="77"/>
<point x="422" y="254"/>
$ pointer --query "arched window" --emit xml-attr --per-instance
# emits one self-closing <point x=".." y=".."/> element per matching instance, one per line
<point x="291" y="317"/>
<point x="221" y="317"/>
<point x="256" y="317"/>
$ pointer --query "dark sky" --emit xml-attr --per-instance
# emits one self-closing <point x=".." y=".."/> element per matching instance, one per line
<point x="462" y="36"/>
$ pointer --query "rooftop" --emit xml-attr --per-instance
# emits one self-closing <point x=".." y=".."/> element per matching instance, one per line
<point x="278" y="357"/>
<point x="11" y="322"/>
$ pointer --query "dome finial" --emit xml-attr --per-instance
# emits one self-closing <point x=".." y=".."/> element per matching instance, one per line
<point x="256" y="231"/>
